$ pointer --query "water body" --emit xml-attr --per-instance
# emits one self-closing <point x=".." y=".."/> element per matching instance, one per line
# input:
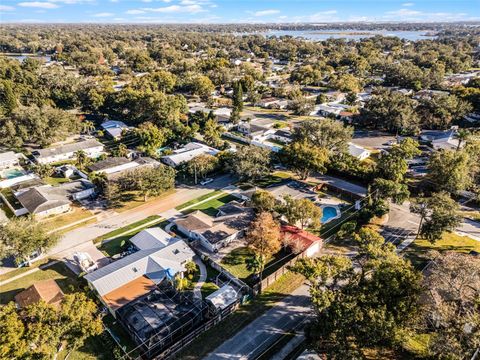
<point x="22" y="57"/>
<point x="319" y="35"/>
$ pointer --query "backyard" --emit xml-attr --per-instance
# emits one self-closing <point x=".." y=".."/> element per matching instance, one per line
<point x="235" y="263"/>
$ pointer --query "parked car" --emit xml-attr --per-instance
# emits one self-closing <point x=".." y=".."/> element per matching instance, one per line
<point x="206" y="181"/>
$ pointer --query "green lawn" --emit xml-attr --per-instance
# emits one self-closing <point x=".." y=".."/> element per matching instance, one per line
<point x="120" y="243"/>
<point x="64" y="277"/>
<point x="199" y="199"/>
<point x="125" y="229"/>
<point x="211" y="206"/>
<point x="209" y="286"/>
<point x="275" y="178"/>
<point x="418" y="251"/>
<point x="229" y="326"/>
<point x="54" y="181"/>
<point x="234" y="262"/>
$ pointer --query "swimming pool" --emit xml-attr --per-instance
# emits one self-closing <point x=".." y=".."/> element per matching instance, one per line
<point x="12" y="173"/>
<point x="329" y="213"/>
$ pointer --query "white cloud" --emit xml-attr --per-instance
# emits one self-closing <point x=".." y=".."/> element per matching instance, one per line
<point x="103" y="14"/>
<point x="408" y="4"/>
<point x="188" y="9"/>
<point x="38" y="4"/>
<point x="6" y="8"/>
<point x="266" y="12"/>
<point x="134" y="12"/>
<point x="404" y="12"/>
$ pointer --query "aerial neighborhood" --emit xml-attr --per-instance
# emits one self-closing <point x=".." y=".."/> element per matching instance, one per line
<point x="239" y="191"/>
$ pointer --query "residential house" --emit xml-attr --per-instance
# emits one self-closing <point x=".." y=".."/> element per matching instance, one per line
<point x="358" y="152"/>
<point x="135" y="275"/>
<point x="114" y="128"/>
<point x="92" y="148"/>
<point x="47" y="200"/>
<point x="272" y="103"/>
<point x="187" y="153"/>
<point x="442" y="140"/>
<point x="46" y="290"/>
<point x="116" y="167"/>
<point x="214" y="233"/>
<point x="252" y="130"/>
<point x="9" y="159"/>
<point x="294" y="189"/>
<point x="301" y="240"/>
<point x="339" y="111"/>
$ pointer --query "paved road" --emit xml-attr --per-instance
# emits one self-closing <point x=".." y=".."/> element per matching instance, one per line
<point x="78" y="237"/>
<point x="253" y="339"/>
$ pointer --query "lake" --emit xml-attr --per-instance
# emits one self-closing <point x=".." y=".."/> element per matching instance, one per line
<point x="319" y="35"/>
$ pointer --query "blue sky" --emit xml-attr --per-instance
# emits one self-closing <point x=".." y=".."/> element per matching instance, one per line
<point x="234" y="11"/>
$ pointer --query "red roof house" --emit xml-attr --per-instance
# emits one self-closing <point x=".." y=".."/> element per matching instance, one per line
<point x="302" y="239"/>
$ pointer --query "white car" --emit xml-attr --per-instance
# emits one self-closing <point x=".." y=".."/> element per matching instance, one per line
<point x="206" y="181"/>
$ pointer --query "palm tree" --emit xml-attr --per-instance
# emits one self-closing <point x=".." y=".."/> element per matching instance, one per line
<point x="82" y="158"/>
<point x="462" y="135"/>
<point x="256" y="264"/>
<point x="88" y="127"/>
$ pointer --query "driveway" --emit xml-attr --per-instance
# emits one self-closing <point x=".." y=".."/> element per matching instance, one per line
<point x="254" y="338"/>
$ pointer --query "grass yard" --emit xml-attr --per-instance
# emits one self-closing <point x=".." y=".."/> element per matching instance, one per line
<point x="58" y="221"/>
<point x="199" y="199"/>
<point x="272" y="179"/>
<point x="211" y="206"/>
<point x="55" y="181"/>
<point x="64" y="277"/>
<point x="119" y="243"/>
<point x="235" y="263"/>
<point x="209" y="286"/>
<point x="229" y="326"/>
<point x="134" y="200"/>
<point x="472" y="215"/>
<point x="418" y="251"/>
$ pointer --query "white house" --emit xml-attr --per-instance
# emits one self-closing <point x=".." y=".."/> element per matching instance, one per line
<point x="187" y="153"/>
<point x="117" y="166"/>
<point x="137" y="274"/>
<point x="9" y="159"/>
<point x="92" y="148"/>
<point x="357" y="151"/>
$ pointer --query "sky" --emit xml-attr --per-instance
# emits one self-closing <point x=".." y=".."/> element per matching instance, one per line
<point x="236" y="11"/>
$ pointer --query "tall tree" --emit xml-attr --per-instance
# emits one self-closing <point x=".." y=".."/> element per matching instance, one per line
<point x="39" y="330"/>
<point x="449" y="170"/>
<point x="200" y="166"/>
<point x="326" y="133"/>
<point x="212" y="133"/>
<point x="238" y="97"/>
<point x="264" y="201"/>
<point x="151" y="137"/>
<point x="302" y="211"/>
<point x="438" y="214"/>
<point x="451" y="307"/>
<point x="251" y="163"/>
<point x="303" y="158"/>
<point x="21" y="237"/>
<point x="263" y="235"/>
<point x="360" y="306"/>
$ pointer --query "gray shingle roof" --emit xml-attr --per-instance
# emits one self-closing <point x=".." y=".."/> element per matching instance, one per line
<point x="68" y="148"/>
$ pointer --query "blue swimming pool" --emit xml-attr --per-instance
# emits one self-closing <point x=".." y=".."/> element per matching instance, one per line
<point x="329" y="212"/>
<point x="12" y="173"/>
